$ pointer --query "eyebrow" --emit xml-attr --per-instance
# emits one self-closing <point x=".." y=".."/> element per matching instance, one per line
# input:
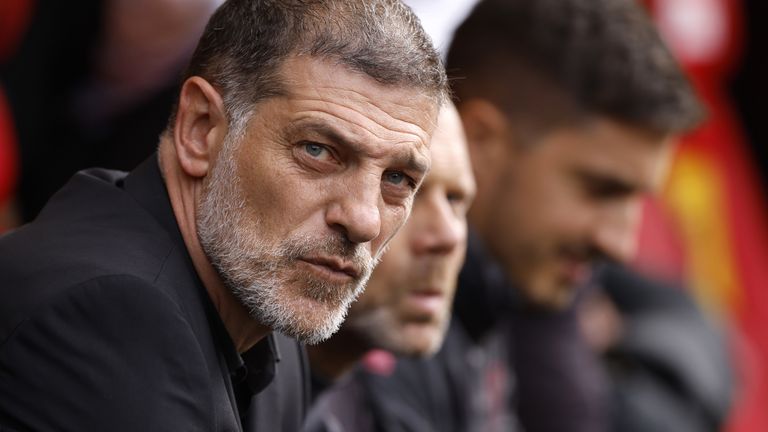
<point x="408" y="159"/>
<point x="610" y="182"/>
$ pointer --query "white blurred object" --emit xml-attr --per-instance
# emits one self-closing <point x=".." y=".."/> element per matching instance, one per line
<point x="440" y="18"/>
<point x="695" y="29"/>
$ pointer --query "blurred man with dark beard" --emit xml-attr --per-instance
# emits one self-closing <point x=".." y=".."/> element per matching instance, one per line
<point x="572" y="109"/>
<point x="147" y="301"/>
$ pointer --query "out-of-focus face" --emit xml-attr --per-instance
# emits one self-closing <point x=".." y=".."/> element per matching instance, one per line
<point x="406" y="306"/>
<point x="303" y="200"/>
<point x="554" y="206"/>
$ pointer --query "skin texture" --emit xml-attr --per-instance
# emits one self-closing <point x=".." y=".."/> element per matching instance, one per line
<point x="406" y="305"/>
<point x="549" y="208"/>
<point x="329" y="169"/>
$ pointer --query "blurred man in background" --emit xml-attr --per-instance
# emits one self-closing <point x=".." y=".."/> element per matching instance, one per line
<point x="405" y="309"/>
<point x="571" y="109"/>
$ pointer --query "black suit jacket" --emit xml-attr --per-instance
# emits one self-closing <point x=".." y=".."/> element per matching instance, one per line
<point x="104" y="324"/>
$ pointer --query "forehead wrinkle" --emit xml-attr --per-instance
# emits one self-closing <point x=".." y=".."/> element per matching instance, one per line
<point x="346" y="99"/>
<point x="365" y="129"/>
<point x="363" y="126"/>
<point x="398" y="106"/>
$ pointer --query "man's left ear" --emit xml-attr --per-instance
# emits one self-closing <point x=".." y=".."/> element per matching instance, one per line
<point x="201" y="125"/>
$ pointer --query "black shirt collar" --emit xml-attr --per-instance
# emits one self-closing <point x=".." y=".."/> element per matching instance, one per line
<point x="256" y="367"/>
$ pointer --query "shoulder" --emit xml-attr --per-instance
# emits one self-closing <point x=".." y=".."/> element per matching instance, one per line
<point x="343" y="407"/>
<point x="103" y="308"/>
<point x="113" y="350"/>
<point x="76" y="250"/>
<point x="406" y="398"/>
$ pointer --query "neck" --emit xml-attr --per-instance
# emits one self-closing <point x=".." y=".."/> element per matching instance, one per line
<point x="184" y="192"/>
<point x="338" y="355"/>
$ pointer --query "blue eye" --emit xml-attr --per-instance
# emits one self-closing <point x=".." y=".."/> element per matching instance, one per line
<point x="313" y="149"/>
<point x="395" y="177"/>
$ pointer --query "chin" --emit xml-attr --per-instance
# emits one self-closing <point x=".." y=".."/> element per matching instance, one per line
<point x="415" y="350"/>
<point x="548" y="294"/>
<point x="557" y="300"/>
<point x="427" y="351"/>
<point x="423" y="342"/>
<point x="308" y="320"/>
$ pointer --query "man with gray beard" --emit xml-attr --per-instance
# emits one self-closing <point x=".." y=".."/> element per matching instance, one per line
<point x="158" y="300"/>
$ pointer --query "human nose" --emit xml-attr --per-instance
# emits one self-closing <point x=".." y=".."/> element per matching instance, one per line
<point x="355" y="213"/>
<point x="438" y="230"/>
<point x="615" y="233"/>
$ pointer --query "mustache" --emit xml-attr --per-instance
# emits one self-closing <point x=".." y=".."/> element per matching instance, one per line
<point x="330" y="246"/>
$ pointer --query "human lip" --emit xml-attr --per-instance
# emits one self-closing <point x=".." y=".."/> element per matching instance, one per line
<point x="335" y="265"/>
<point x="427" y="301"/>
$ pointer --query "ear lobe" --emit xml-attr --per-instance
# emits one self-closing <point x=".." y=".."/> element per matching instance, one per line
<point x="201" y="125"/>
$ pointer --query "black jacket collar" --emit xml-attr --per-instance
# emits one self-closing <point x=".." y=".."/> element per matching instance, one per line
<point x="255" y="368"/>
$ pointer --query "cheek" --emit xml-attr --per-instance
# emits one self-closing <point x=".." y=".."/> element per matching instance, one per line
<point x="393" y="219"/>
<point x="282" y="203"/>
<point x="553" y="204"/>
<point x="378" y="293"/>
<point x="395" y="263"/>
<point x="510" y="215"/>
<point x="550" y="222"/>
<point x="259" y="179"/>
<point x="388" y="279"/>
<point x="455" y="261"/>
<point x="523" y="228"/>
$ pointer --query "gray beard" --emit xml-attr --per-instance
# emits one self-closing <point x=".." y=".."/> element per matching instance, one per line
<point x="259" y="274"/>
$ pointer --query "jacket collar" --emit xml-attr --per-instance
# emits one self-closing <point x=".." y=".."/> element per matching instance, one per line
<point x="255" y="368"/>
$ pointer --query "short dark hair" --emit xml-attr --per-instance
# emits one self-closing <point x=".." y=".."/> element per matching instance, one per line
<point x="600" y="56"/>
<point x="246" y="41"/>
